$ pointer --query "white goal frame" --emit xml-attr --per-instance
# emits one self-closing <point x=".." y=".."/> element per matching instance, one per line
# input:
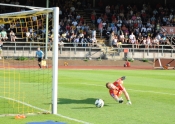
<point x="40" y="10"/>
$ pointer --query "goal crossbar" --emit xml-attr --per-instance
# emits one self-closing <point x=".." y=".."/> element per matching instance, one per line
<point x="26" y="13"/>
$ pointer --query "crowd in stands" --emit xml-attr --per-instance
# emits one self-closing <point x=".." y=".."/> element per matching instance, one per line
<point x="137" y="25"/>
<point x="119" y="24"/>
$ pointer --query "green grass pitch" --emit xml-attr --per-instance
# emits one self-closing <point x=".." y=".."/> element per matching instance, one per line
<point x="152" y="93"/>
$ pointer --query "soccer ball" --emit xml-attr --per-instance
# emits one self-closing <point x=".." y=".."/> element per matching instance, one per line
<point x="99" y="103"/>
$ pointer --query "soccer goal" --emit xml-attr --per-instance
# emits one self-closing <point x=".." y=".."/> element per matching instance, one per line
<point x="24" y="87"/>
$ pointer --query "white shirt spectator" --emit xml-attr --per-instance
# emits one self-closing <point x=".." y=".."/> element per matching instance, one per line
<point x="132" y="38"/>
<point x="72" y="9"/>
<point x="115" y="42"/>
<point x="76" y="40"/>
<point x="148" y="41"/>
<point x="94" y="40"/>
<point x="81" y="35"/>
<point x="104" y="24"/>
<point x="34" y="18"/>
<point x="74" y="23"/>
<point x="94" y="33"/>
<point x="158" y="37"/>
<point x="144" y="41"/>
<point x="78" y="17"/>
<point x="27" y="34"/>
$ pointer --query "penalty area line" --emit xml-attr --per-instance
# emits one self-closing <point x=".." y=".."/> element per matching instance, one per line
<point x="66" y="117"/>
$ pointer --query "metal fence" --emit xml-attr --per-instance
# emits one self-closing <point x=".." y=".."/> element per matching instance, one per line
<point x="70" y="51"/>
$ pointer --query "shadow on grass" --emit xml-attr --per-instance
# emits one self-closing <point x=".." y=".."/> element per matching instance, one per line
<point x="77" y="101"/>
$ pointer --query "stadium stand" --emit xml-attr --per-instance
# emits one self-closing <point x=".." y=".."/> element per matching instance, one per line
<point x="119" y="18"/>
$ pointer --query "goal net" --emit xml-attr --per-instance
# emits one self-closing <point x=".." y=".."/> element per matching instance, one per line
<point x="24" y="86"/>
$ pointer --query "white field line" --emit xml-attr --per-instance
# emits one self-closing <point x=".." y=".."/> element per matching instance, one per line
<point x="136" y="90"/>
<point x="73" y="119"/>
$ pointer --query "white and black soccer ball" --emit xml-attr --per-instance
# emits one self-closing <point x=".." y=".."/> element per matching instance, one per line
<point x="99" y="103"/>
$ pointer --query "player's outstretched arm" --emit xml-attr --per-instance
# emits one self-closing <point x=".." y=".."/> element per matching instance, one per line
<point x="119" y="100"/>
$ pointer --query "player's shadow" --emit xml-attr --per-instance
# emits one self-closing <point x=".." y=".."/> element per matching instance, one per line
<point x="77" y="101"/>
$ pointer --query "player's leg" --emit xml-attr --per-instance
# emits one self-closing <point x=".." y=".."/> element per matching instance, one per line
<point x="39" y="62"/>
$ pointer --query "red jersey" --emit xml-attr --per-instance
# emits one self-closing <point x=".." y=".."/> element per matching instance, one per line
<point x="118" y="91"/>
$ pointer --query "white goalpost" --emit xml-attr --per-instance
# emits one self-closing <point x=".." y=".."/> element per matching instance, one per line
<point x="39" y="11"/>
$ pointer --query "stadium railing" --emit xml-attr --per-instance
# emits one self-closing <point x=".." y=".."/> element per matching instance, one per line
<point x="68" y="50"/>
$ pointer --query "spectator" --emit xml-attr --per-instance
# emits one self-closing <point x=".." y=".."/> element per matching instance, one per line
<point x="140" y="38"/>
<point x="94" y="41"/>
<point x="93" y="33"/>
<point x="163" y="39"/>
<point x="27" y="36"/>
<point x="4" y="35"/>
<point x="34" y="19"/>
<point x="122" y="38"/>
<point x="111" y="38"/>
<point x="12" y="36"/>
<point x="115" y="41"/>
<point x="132" y="38"/>
<point x="144" y="31"/>
<point x="2" y="26"/>
<point x="144" y="42"/>
<point x="18" y="26"/>
<point x="158" y="37"/>
<point x="75" y="23"/>
<point x="99" y="20"/>
<point x="155" y="42"/>
<point x="107" y="9"/>
<point x="126" y="38"/>
<point x="13" y="26"/>
<point x="148" y="42"/>
<point x="76" y="41"/>
<point x="72" y="8"/>
<point x="88" y="41"/>
<point x="81" y="35"/>
<point x="61" y="43"/>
